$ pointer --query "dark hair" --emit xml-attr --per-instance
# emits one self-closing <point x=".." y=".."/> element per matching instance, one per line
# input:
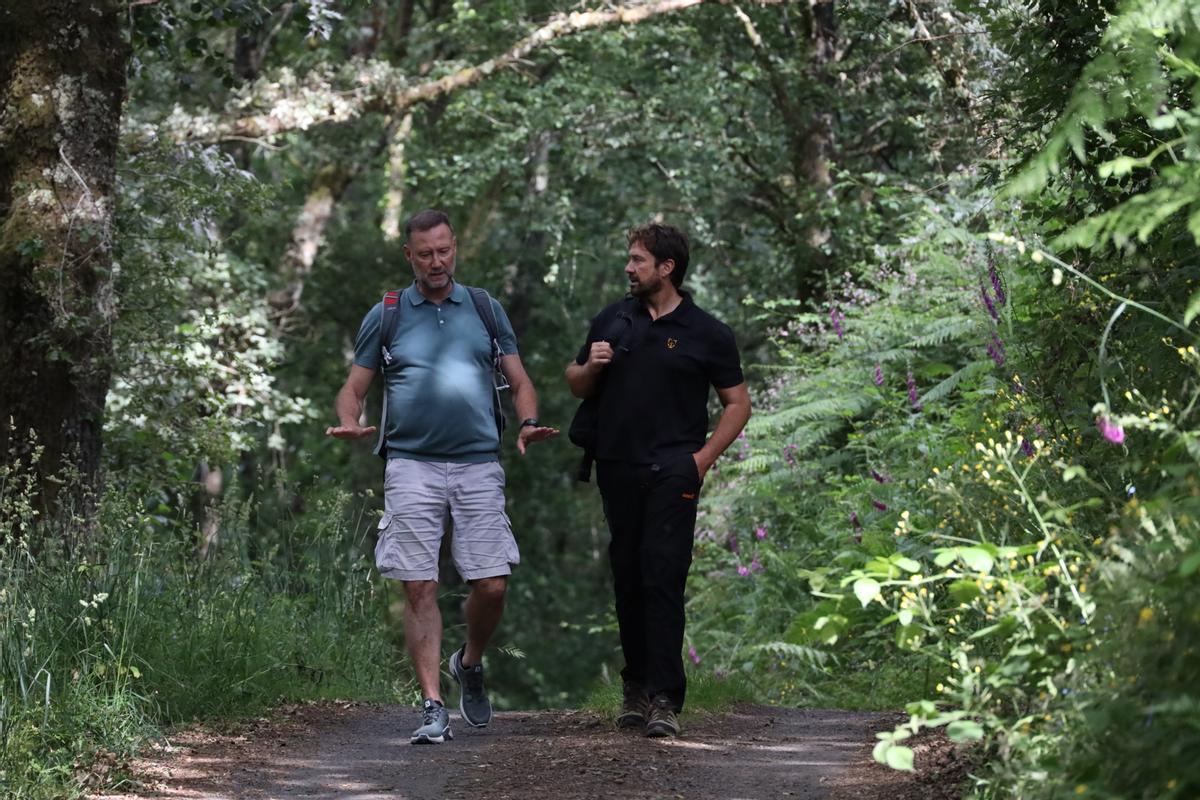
<point x="426" y="220"/>
<point x="664" y="242"/>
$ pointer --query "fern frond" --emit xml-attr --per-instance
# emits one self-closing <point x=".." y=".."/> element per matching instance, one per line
<point x="946" y="386"/>
<point x="944" y="330"/>
<point x="809" y="656"/>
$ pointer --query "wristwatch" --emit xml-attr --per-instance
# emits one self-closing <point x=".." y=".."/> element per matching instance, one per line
<point x="532" y="422"/>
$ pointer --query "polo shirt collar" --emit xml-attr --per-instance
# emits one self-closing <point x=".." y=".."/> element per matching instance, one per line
<point x="457" y="295"/>
<point x="682" y="314"/>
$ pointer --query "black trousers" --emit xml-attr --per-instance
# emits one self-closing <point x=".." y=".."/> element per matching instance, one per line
<point x="651" y="512"/>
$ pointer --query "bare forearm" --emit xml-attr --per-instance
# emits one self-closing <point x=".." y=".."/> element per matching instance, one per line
<point x="733" y="418"/>
<point x="348" y="406"/>
<point x="581" y="380"/>
<point x="525" y="401"/>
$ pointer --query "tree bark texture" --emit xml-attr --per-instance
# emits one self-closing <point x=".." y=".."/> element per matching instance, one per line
<point x="62" y="83"/>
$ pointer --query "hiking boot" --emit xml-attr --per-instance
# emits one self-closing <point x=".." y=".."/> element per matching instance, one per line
<point x="635" y="708"/>
<point x="435" y="724"/>
<point x="662" y="720"/>
<point x="473" y="702"/>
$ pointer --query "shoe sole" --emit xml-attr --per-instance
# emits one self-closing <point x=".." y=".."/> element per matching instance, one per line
<point x="425" y="738"/>
<point x="455" y="668"/>
<point x="661" y="732"/>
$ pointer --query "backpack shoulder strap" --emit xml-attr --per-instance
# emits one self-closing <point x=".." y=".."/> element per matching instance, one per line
<point x="389" y="320"/>
<point x="483" y="307"/>
<point x="621" y="331"/>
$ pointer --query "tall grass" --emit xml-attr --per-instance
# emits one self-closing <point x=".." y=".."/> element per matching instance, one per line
<point x="133" y="631"/>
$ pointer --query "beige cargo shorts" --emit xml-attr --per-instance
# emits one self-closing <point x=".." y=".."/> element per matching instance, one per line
<point x="424" y="499"/>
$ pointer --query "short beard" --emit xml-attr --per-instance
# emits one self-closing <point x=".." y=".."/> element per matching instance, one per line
<point x="644" y="288"/>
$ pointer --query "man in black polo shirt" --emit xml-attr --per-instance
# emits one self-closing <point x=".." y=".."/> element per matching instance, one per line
<point x="649" y="361"/>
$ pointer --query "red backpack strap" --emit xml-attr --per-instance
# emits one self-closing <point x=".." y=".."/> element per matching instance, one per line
<point x="390" y="317"/>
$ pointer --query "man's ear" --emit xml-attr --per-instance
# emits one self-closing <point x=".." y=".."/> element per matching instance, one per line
<point x="667" y="265"/>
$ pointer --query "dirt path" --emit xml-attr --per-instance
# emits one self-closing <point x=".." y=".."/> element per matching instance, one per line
<point x="361" y="752"/>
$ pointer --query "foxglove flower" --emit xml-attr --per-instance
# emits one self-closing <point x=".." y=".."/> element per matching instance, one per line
<point x="854" y="521"/>
<point x="742" y="570"/>
<point x="789" y="454"/>
<point x="693" y="655"/>
<point x="755" y="566"/>
<point x="879" y="478"/>
<point x="987" y="302"/>
<point x="879" y="505"/>
<point x="913" y="400"/>
<point x="835" y="319"/>
<point x="997" y="284"/>
<point x="878" y="374"/>
<point x="1027" y="447"/>
<point x="761" y="533"/>
<point x="1110" y="430"/>
<point x="733" y="544"/>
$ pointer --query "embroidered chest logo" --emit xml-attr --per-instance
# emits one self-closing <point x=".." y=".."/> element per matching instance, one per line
<point x="672" y="344"/>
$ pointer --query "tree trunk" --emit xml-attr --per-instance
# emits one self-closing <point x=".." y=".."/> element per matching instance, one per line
<point x="62" y="82"/>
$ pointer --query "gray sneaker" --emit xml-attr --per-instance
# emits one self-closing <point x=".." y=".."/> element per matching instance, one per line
<point x="635" y="707"/>
<point x="435" y="724"/>
<point x="473" y="702"/>
<point x="662" y="721"/>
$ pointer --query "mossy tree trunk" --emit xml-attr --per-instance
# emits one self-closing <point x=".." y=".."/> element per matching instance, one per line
<point x="62" y="83"/>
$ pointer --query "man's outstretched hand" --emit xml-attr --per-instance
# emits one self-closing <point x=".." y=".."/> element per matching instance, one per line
<point x="350" y="431"/>
<point x="529" y="434"/>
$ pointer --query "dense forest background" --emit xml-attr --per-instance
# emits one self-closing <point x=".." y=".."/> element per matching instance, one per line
<point x="957" y="240"/>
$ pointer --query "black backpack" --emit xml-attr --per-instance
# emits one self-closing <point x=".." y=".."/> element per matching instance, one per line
<point x="387" y="331"/>
<point x="582" y="433"/>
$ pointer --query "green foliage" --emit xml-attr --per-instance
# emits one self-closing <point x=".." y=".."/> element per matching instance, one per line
<point x="1026" y="534"/>
<point x="133" y="632"/>
<point x="923" y="511"/>
<point x="195" y="347"/>
<point x="707" y="694"/>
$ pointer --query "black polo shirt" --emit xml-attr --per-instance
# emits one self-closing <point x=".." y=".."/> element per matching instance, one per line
<point x="653" y="401"/>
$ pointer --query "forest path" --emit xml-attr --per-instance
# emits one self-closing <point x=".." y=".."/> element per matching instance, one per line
<point x="354" y="751"/>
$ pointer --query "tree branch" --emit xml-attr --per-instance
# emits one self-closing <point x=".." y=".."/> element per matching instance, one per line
<point x="300" y="104"/>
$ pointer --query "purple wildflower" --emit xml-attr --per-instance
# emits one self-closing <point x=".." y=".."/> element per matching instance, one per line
<point x="836" y="318"/>
<point x="693" y="655"/>
<point x="1039" y="430"/>
<point x="1018" y="387"/>
<point x="760" y="532"/>
<point x="755" y="565"/>
<point x="913" y="400"/>
<point x="742" y="570"/>
<point x="878" y="374"/>
<point x="1027" y="447"/>
<point x="854" y="521"/>
<point x="733" y="544"/>
<point x="987" y="302"/>
<point x="995" y="349"/>
<point x="879" y="478"/>
<point x="1109" y="430"/>
<point x="789" y="454"/>
<point x="879" y="505"/>
<point x="997" y="284"/>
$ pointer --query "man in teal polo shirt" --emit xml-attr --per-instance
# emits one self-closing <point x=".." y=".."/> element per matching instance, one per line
<point x="442" y="447"/>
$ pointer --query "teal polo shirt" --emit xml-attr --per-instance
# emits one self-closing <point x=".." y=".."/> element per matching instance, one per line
<point x="439" y="384"/>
